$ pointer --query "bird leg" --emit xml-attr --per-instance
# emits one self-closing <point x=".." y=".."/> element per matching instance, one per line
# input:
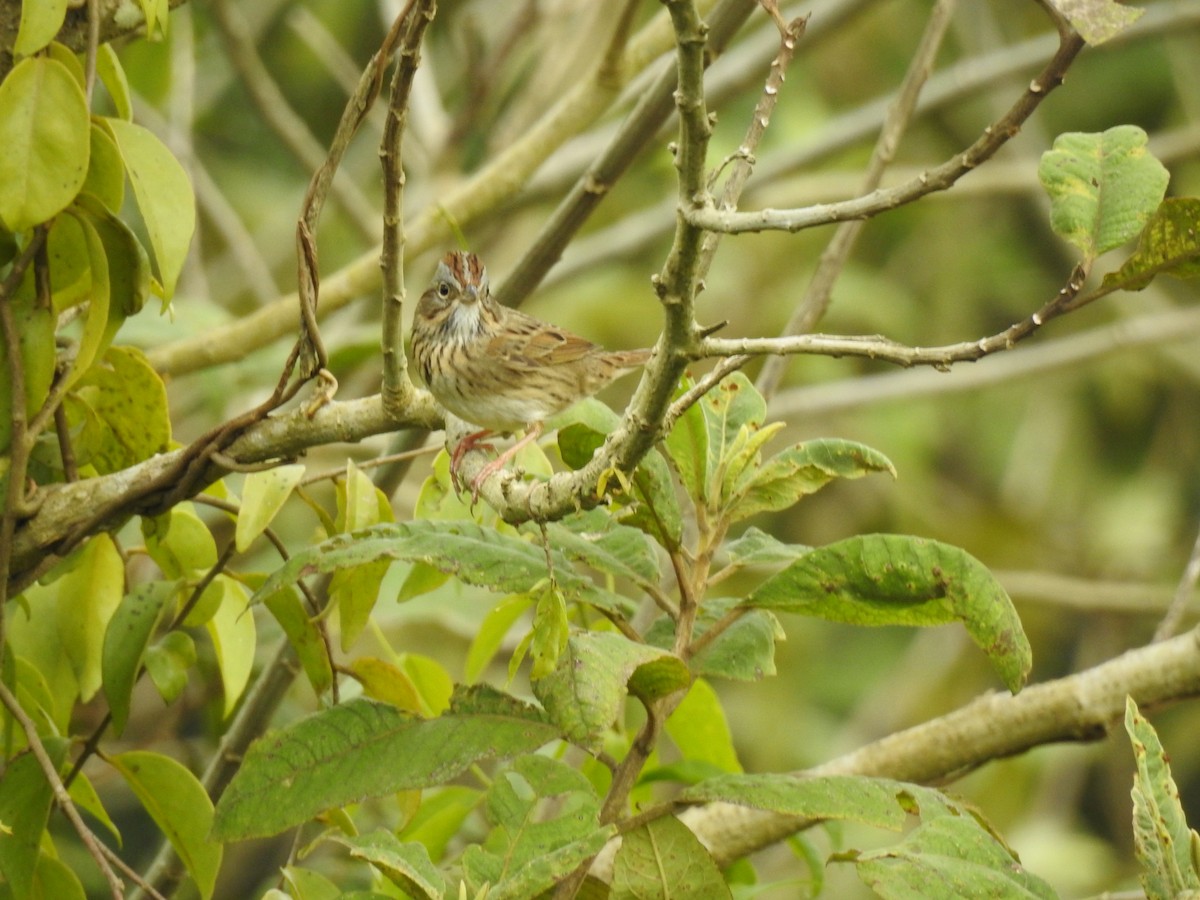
<point x="499" y="462"/>
<point x="470" y="442"/>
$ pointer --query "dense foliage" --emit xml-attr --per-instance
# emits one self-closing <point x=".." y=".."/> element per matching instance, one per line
<point x="687" y="650"/>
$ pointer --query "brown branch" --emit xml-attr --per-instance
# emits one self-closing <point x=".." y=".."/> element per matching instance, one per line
<point x="836" y="254"/>
<point x="939" y="178"/>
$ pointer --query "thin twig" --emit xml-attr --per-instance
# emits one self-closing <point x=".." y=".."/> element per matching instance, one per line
<point x="398" y="388"/>
<point x="938" y="178"/>
<point x="279" y="115"/>
<point x="836" y="254"/>
<point x="1183" y="594"/>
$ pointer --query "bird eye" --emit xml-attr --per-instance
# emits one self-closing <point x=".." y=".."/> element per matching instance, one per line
<point x="443" y="290"/>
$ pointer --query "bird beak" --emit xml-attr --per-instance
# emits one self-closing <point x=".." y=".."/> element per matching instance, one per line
<point x="472" y="293"/>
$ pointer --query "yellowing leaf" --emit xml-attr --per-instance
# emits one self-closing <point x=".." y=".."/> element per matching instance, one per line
<point x="233" y="633"/>
<point x="263" y="495"/>
<point x="164" y="197"/>
<point x="89" y="595"/>
<point x="44" y="133"/>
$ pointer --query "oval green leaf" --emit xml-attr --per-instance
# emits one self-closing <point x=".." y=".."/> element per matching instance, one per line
<point x="125" y="642"/>
<point x="178" y="804"/>
<point x="887" y="579"/>
<point x="263" y="495"/>
<point x="1103" y="187"/>
<point x="45" y="133"/>
<point x="164" y="197"/>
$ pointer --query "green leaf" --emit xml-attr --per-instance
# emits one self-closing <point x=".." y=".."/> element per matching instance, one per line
<point x="544" y="817"/>
<point x="354" y="591"/>
<point x="745" y="650"/>
<point x="700" y="730"/>
<point x="233" y="635"/>
<point x="127" y="265"/>
<point x="112" y="74"/>
<point x="70" y="265"/>
<point x="595" y="540"/>
<point x="125" y="642"/>
<point x="35" y="337"/>
<point x="663" y="860"/>
<point x="587" y="690"/>
<point x="25" y="798"/>
<point x="355" y="750"/>
<point x="164" y="197"/>
<point x="263" y="495"/>
<point x="490" y="634"/>
<point x="40" y="22"/>
<point x="127" y="400"/>
<point x="305" y="884"/>
<point x="687" y="445"/>
<point x="53" y="878"/>
<point x="879" y="802"/>
<point x="179" y="542"/>
<point x="733" y="410"/>
<point x="44" y="132"/>
<point x="383" y="681"/>
<point x="885" y="579"/>
<point x="92" y="590"/>
<point x="439" y="819"/>
<point x="406" y="865"/>
<point x="475" y="554"/>
<point x="548" y="637"/>
<point x="1170" y="245"/>
<point x="106" y="171"/>
<point x="84" y="796"/>
<point x="754" y="547"/>
<point x="804" y="469"/>
<point x="168" y="662"/>
<point x="949" y="856"/>
<point x="360" y="503"/>
<point x="96" y="333"/>
<point x="1098" y="20"/>
<point x="178" y="804"/>
<point x="305" y="637"/>
<point x="1103" y="187"/>
<point x="1163" y="841"/>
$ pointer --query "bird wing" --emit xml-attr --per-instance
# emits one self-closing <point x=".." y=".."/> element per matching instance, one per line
<point x="526" y="341"/>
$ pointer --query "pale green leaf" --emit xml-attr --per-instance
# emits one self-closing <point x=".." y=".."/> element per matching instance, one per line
<point x="544" y="823"/>
<point x="96" y="333"/>
<point x="406" y="865"/>
<point x="35" y="330"/>
<point x="233" y="635"/>
<point x="754" y="547"/>
<point x="1161" y="835"/>
<point x="305" y="884"/>
<point x="586" y="691"/>
<point x="440" y="817"/>
<point x="882" y="579"/>
<point x="354" y="592"/>
<point x="360" y="749"/>
<point x="1098" y="21"/>
<point x="178" y="804"/>
<point x="490" y="634"/>
<point x="305" y="637"/>
<point x="40" y="22"/>
<point x="179" y="542"/>
<point x="263" y="496"/>
<point x="663" y="860"/>
<point x="106" y="171"/>
<point x="112" y="74"/>
<point x="164" y="197"/>
<point x="128" y="404"/>
<point x="54" y="879"/>
<point x="1103" y="187"/>
<point x="168" y="662"/>
<point x="699" y="729"/>
<point x="125" y="643"/>
<point x="383" y="681"/>
<point x="89" y="595"/>
<point x="595" y="540"/>
<point x="83" y="795"/>
<point x="25" y="798"/>
<point x="802" y="470"/>
<point x="949" y="856"/>
<point x="44" y="130"/>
